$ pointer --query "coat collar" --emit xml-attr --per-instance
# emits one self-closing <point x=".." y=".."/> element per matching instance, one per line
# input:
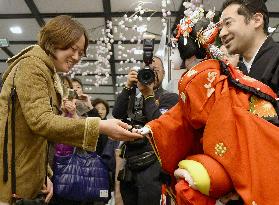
<point x="265" y="47"/>
<point x="37" y="52"/>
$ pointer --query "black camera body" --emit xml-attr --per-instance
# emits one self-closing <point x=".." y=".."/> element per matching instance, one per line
<point x="72" y="94"/>
<point x="146" y="76"/>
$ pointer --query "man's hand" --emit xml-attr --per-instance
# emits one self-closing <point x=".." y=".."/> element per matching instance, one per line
<point x="48" y="190"/>
<point x="117" y="130"/>
<point x="132" y="78"/>
<point x="146" y="90"/>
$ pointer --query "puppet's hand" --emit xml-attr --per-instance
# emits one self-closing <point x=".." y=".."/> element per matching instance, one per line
<point x="143" y="131"/>
<point x="184" y="174"/>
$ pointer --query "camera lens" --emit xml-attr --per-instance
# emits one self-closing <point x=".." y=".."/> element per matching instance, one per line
<point x="146" y="76"/>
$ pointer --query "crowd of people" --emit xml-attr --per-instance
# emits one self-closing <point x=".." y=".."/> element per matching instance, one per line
<point x="215" y="142"/>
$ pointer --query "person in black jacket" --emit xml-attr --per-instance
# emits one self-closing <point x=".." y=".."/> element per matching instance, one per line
<point x="244" y="31"/>
<point x="139" y="180"/>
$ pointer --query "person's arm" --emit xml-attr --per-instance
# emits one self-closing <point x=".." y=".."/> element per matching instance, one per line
<point x="93" y="112"/>
<point x="153" y="110"/>
<point x="275" y="79"/>
<point x="172" y="137"/>
<point x="175" y="134"/>
<point x="34" y="99"/>
<point x="37" y="110"/>
<point x="120" y="107"/>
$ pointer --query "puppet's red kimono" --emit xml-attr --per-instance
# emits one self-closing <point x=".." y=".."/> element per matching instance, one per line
<point x="231" y="119"/>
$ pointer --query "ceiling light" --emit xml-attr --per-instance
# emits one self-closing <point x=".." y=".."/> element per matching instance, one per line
<point x="16" y="29"/>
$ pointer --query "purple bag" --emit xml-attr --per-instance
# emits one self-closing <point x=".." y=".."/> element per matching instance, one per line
<point x="81" y="177"/>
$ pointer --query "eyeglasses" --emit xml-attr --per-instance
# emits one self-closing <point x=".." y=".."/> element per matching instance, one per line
<point x="80" y="52"/>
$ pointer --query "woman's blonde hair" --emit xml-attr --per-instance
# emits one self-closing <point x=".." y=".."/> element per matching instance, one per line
<point x="61" y="32"/>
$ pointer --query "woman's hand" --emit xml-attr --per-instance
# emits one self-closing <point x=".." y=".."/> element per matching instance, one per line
<point x="69" y="107"/>
<point x="86" y="99"/>
<point x="48" y="190"/>
<point x="117" y="130"/>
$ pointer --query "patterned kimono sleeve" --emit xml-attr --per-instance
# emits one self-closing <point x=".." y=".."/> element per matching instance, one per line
<point x="172" y="137"/>
<point x="175" y="134"/>
<point x="199" y="94"/>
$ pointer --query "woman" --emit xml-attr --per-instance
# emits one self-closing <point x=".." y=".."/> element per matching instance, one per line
<point x="62" y="43"/>
<point x="103" y="109"/>
<point x="221" y="137"/>
<point x="102" y="106"/>
<point x="106" y="146"/>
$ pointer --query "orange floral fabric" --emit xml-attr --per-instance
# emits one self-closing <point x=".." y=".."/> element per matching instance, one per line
<point x="242" y="142"/>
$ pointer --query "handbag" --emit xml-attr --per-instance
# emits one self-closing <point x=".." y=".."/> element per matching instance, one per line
<point x="40" y="198"/>
<point x="141" y="161"/>
<point x="81" y="177"/>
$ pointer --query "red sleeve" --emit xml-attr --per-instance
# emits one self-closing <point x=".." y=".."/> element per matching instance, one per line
<point x="176" y="133"/>
<point x="167" y="141"/>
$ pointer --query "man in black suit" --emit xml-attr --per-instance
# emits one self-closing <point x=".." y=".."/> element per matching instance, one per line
<point x="244" y="31"/>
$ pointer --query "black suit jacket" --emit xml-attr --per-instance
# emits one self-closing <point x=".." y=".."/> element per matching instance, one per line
<point x="265" y="66"/>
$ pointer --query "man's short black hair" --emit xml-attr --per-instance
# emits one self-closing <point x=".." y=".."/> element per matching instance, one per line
<point x="248" y="8"/>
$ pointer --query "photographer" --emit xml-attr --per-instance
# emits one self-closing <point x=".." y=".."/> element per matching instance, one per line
<point x="141" y="183"/>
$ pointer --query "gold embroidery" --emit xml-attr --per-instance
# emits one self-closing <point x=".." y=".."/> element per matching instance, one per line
<point x="220" y="149"/>
<point x="210" y="77"/>
<point x="261" y="107"/>
<point x="201" y="38"/>
<point x="183" y="96"/>
<point x="248" y="78"/>
<point x="191" y="72"/>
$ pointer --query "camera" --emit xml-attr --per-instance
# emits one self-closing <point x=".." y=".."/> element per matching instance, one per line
<point x="146" y="76"/>
<point x="72" y="94"/>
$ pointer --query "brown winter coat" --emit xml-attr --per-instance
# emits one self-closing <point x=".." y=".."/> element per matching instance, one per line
<point x="38" y="100"/>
